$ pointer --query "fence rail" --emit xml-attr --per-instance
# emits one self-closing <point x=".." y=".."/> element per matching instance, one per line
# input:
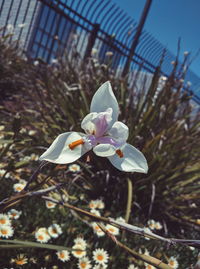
<point x="48" y="28"/>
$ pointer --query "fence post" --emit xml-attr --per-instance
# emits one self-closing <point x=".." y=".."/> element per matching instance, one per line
<point x="137" y="36"/>
<point x="91" y="40"/>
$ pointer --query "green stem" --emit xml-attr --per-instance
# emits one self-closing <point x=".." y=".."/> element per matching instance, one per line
<point x="129" y="200"/>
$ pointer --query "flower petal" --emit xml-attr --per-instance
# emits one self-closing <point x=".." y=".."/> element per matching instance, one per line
<point x="132" y="161"/>
<point x="119" y="132"/>
<point x="59" y="151"/>
<point x="97" y="123"/>
<point x="103" y="99"/>
<point x="87" y="125"/>
<point x="104" y="150"/>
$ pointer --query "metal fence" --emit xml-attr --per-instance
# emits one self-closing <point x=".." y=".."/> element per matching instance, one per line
<point x="48" y="28"/>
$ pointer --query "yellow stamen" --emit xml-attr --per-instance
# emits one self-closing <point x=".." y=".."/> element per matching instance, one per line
<point x="119" y="153"/>
<point x="76" y="143"/>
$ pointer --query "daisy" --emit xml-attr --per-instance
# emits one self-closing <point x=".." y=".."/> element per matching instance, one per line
<point x="4" y="220"/>
<point x="14" y="214"/>
<point x="147" y="230"/>
<point x="79" y="251"/>
<point x="100" y="204"/>
<point x="54" y="230"/>
<point x="21" y="259"/>
<point x="50" y="205"/>
<point x="63" y="255"/>
<point x="74" y="168"/>
<point x="112" y="229"/>
<point x="18" y="187"/>
<point x="42" y="235"/>
<point x="6" y="231"/>
<point x="173" y="263"/>
<point x="95" y="212"/>
<point x="80" y="241"/>
<point x="84" y="263"/>
<point x="97" y="229"/>
<point x="151" y="224"/>
<point x="100" y="256"/>
<point x="93" y="204"/>
<point x="158" y="226"/>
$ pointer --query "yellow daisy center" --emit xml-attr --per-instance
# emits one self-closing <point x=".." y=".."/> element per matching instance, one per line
<point x="4" y="231"/>
<point x="100" y="257"/>
<point x="83" y="264"/>
<point x="2" y="221"/>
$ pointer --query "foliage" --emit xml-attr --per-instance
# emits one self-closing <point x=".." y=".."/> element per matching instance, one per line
<point x="42" y="101"/>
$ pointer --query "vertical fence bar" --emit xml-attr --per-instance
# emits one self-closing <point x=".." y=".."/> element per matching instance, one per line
<point x="91" y="41"/>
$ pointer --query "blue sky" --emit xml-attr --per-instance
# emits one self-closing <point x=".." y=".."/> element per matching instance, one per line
<point x="168" y="20"/>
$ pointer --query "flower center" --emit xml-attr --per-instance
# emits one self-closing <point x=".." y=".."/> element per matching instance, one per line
<point x="100" y="257"/>
<point x="2" y="221"/>
<point x="83" y="264"/>
<point x="76" y="143"/>
<point x="119" y="153"/>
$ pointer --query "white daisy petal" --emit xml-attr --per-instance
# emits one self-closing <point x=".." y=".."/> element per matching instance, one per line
<point x="103" y="99"/>
<point x="60" y="152"/>
<point x="132" y="160"/>
<point x="104" y="150"/>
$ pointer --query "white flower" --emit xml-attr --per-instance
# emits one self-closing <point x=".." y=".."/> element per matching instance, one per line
<point x="147" y="230"/>
<point x="97" y="229"/>
<point x="14" y="214"/>
<point x="10" y="28"/>
<point x="100" y="204"/>
<point x="63" y="255"/>
<point x="158" y="225"/>
<point x="36" y="63"/>
<point x="103" y="133"/>
<point x="32" y="132"/>
<point x="151" y="224"/>
<point x="84" y="263"/>
<point x="80" y="241"/>
<point x="95" y="212"/>
<point x="18" y="187"/>
<point x="79" y="251"/>
<point x="54" y="61"/>
<point x="6" y="231"/>
<point x="21" y="259"/>
<point x="112" y="229"/>
<point x="93" y="204"/>
<point x="94" y="51"/>
<point x="42" y="235"/>
<point x="50" y="204"/>
<point x="54" y="230"/>
<point x="100" y="256"/>
<point x="173" y="263"/>
<point x="4" y="219"/>
<point x="74" y="168"/>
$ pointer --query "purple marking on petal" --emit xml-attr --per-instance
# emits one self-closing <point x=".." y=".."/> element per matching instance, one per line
<point x="102" y="122"/>
<point x="108" y="140"/>
<point x="91" y="139"/>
